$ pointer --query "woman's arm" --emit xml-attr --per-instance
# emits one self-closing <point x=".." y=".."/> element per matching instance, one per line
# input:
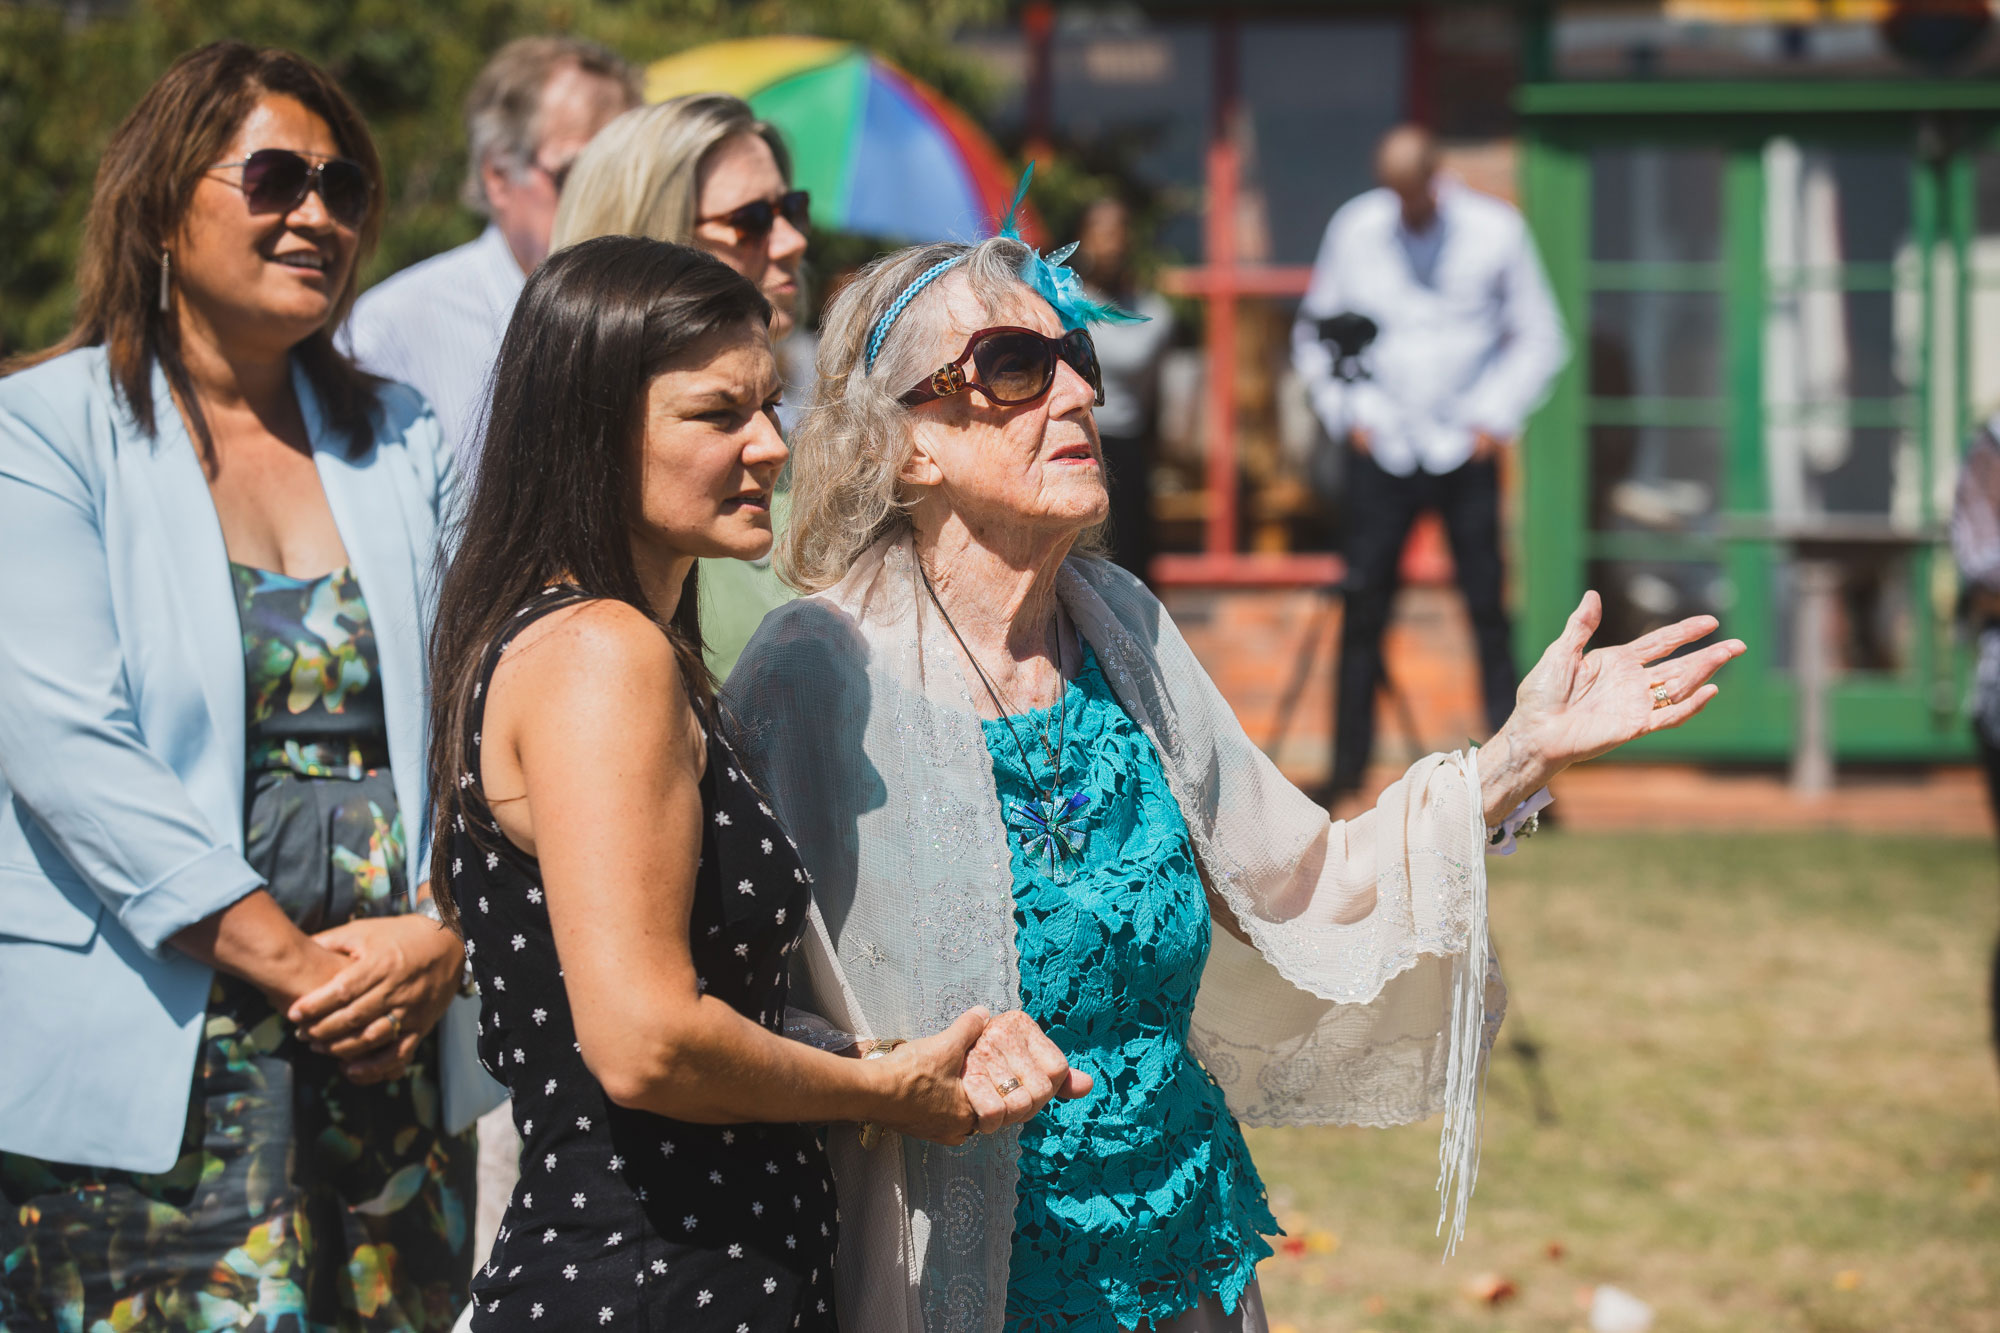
<point x="70" y="743"/>
<point x="254" y="940"/>
<point x="587" y="725"/>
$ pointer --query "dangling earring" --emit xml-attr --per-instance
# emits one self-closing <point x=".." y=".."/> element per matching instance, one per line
<point x="166" y="279"/>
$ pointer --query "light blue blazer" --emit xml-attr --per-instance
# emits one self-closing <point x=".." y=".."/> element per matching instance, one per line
<point x="122" y="739"/>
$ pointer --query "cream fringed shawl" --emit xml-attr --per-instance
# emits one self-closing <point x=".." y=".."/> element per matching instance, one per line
<point x="1359" y="1004"/>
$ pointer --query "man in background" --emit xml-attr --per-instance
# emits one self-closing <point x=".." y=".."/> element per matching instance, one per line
<point x="437" y="325"/>
<point x="1467" y="341"/>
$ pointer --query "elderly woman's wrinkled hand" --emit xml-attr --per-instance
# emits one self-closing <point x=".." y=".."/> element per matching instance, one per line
<point x="1014" y="1070"/>
<point x="927" y="1093"/>
<point x="1577" y="704"/>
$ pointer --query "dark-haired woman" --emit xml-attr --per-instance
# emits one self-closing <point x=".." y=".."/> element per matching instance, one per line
<point x="220" y="1100"/>
<point x="629" y="902"/>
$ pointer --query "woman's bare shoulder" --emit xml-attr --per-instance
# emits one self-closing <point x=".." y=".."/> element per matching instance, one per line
<point x="594" y="653"/>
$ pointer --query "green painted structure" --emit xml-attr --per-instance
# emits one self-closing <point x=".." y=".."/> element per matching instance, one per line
<point x="1702" y="238"/>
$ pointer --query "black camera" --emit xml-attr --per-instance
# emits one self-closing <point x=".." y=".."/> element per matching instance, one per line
<point x="1349" y="335"/>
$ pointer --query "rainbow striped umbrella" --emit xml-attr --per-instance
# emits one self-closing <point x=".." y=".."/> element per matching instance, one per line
<point x="882" y="153"/>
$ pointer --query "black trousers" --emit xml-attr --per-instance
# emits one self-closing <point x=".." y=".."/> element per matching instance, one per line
<point x="1381" y="507"/>
<point x="1128" y="467"/>
<point x="1989" y="756"/>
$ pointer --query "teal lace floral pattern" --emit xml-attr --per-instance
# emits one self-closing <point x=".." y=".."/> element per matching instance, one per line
<point x="1140" y="1198"/>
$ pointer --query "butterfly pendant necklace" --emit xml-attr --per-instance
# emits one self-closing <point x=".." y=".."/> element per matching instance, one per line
<point x="1050" y="825"/>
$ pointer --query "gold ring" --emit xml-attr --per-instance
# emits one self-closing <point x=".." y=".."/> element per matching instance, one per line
<point x="395" y="1023"/>
<point x="1661" y="698"/>
<point x="1007" y="1084"/>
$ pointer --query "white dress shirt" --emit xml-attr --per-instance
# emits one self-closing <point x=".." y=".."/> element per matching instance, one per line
<point x="437" y="326"/>
<point x="1469" y="335"/>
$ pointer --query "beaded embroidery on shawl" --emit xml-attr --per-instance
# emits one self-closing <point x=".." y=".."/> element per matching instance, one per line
<point x="1337" y="1022"/>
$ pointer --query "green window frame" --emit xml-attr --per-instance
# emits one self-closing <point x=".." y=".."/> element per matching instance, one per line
<point x="1910" y="713"/>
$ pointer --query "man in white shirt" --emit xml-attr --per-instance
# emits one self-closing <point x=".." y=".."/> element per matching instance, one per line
<point x="1467" y="341"/>
<point x="437" y="325"/>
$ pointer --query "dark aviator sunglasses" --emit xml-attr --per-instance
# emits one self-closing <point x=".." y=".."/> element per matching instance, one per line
<point x="1016" y="366"/>
<point x="756" y="218"/>
<point x="277" y="180"/>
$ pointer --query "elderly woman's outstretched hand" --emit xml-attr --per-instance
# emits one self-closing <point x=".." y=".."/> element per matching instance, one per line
<point x="1577" y="704"/>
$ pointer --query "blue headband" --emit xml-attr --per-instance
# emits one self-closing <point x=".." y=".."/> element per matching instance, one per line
<point x="1049" y="279"/>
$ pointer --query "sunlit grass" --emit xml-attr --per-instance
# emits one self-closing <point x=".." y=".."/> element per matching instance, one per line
<point x="1775" y="1104"/>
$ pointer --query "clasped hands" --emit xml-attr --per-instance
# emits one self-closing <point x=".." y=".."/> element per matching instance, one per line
<point x="979" y="1075"/>
<point x="396" y="977"/>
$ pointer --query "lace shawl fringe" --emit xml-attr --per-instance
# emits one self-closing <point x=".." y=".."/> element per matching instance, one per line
<point x="1465" y="1077"/>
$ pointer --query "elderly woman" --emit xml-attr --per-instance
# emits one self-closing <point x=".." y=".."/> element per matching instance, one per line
<point x="224" y="1097"/>
<point x="1016" y="787"/>
<point x="702" y="170"/>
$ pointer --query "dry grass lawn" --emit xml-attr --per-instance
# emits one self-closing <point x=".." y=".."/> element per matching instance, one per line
<point x="1774" y="1104"/>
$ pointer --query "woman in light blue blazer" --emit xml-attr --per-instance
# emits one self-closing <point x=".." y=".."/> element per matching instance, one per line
<point x="224" y="1097"/>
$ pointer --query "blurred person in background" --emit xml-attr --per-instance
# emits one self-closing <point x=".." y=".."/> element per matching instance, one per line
<point x="437" y="325"/>
<point x="1468" y="340"/>
<point x="702" y="170"/>
<point x="1129" y="356"/>
<point x="222" y="1098"/>
<point x="1975" y="542"/>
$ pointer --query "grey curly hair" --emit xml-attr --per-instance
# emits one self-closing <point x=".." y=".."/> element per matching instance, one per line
<point x="856" y="436"/>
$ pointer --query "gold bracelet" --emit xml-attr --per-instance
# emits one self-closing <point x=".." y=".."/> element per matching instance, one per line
<point x="875" y="1049"/>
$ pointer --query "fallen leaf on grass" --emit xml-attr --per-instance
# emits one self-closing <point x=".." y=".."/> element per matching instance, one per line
<point x="1292" y="1247"/>
<point x="1847" y="1279"/>
<point x="1491" y="1289"/>
<point x="1322" y="1242"/>
<point x="1555" y="1249"/>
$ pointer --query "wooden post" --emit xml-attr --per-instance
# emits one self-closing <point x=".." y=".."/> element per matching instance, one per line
<point x="1812" y="670"/>
<point x="1224" y="173"/>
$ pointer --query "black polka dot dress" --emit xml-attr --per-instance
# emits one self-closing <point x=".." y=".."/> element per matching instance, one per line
<point x="623" y="1219"/>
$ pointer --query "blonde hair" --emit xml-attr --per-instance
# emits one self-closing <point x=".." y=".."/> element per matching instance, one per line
<point x="641" y="174"/>
<point x="856" y="436"/>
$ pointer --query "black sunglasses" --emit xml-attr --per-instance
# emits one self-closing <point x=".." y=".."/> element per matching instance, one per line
<point x="1015" y="366"/>
<point x="757" y="217"/>
<point x="277" y="180"/>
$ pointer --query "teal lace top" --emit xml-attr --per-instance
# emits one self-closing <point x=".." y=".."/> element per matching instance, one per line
<point x="1139" y="1198"/>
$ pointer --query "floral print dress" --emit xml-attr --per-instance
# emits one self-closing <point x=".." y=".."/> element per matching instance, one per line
<point x="301" y="1202"/>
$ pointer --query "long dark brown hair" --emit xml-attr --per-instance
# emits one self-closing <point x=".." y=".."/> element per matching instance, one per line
<point x="555" y="489"/>
<point x="145" y="186"/>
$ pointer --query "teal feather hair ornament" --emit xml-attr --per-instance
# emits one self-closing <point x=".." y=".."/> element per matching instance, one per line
<point x="1046" y="276"/>
<point x="1054" y="282"/>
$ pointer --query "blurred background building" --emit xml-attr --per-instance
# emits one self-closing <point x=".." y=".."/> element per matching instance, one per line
<point x="1773" y="227"/>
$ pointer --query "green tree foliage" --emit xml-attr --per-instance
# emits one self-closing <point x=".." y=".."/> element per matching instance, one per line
<point x="66" y="79"/>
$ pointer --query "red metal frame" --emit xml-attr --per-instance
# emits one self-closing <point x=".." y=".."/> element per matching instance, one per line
<point x="1220" y="283"/>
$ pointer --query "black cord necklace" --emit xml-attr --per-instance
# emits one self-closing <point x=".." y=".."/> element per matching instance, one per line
<point x="1053" y="823"/>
